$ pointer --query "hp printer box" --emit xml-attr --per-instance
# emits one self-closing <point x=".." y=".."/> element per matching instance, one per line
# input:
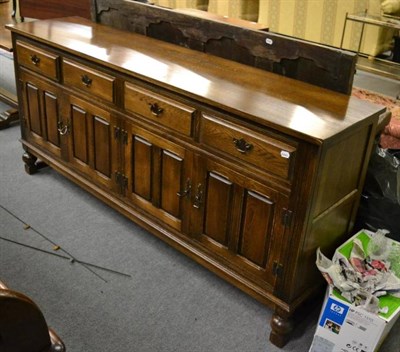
<point x="343" y="327"/>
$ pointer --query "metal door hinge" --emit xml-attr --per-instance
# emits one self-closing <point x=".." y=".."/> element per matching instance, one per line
<point x="117" y="132"/>
<point x="277" y="269"/>
<point x="121" y="135"/>
<point x="287" y="217"/>
<point x="122" y="181"/>
<point x="124" y="137"/>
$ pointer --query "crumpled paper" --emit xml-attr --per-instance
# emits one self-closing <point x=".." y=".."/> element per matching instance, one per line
<point x="364" y="277"/>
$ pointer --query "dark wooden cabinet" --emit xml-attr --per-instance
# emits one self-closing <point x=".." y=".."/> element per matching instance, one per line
<point x="246" y="172"/>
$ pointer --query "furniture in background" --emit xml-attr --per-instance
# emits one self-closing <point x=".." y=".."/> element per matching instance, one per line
<point x="380" y="21"/>
<point x="7" y="93"/>
<point x="23" y="327"/>
<point x="316" y="21"/>
<point x="53" y="8"/>
<point x="367" y="19"/>
<point x="232" y="165"/>
<point x="21" y="10"/>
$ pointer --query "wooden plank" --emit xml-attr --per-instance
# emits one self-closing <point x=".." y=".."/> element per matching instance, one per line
<point x="54" y="8"/>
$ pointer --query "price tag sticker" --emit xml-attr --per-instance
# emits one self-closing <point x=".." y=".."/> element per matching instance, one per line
<point x="285" y="154"/>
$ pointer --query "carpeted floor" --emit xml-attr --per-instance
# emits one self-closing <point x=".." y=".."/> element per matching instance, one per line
<point x="168" y="302"/>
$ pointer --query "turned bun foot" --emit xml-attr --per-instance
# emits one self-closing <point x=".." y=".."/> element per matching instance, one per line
<point x="282" y="326"/>
<point x="32" y="165"/>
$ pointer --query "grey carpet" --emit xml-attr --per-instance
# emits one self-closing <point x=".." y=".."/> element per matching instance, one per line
<point x="169" y="303"/>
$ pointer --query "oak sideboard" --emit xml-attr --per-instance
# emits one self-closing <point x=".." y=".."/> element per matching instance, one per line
<point x="244" y="171"/>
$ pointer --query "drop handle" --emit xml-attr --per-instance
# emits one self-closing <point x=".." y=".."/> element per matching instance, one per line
<point x="86" y="80"/>
<point x="62" y="129"/>
<point x="242" y="146"/>
<point x="186" y="191"/>
<point x="198" y="198"/>
<point x="35" y="59"/>
<point x="155" y="109"/>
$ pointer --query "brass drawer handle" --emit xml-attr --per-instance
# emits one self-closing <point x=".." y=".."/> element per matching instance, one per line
<point x="35" y="60"/>
<point x="86" y="80"/>
<point x="155" y="109"/>
<point x="62" y="129"/>
<point x="242" y="146"/>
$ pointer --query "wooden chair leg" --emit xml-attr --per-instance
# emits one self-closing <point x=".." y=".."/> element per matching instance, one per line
<point x="8" y="117"/>
<point x="23" y="327"/>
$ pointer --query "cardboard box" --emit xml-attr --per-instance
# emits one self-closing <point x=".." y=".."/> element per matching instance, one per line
<point x="343" y="327"/>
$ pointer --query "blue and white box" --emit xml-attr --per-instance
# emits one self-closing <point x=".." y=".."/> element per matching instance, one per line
<point x="343" y="327"/>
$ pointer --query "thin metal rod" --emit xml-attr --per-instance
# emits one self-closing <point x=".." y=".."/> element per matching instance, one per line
<point x="64" y="257"/>
<point x="84" y="264"/>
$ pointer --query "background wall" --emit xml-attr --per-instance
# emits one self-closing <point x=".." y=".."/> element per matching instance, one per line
<point x="320" y="21"/>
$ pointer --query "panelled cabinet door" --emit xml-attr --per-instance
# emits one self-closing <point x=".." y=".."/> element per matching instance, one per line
<point x="238" y="218"/>
<point x="41" y="108"/>
<point x="155" y="175"/>
<point x="93" y="148"/>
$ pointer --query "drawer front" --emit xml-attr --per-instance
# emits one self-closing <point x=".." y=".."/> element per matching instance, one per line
<point x="38" y="60"/>
<point x="165" y="111"/>
<point x="265" y="152"/>
<point x="88" y="80"/>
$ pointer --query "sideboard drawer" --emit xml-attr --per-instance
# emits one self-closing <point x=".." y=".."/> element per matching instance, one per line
<point x="165" y="111"/>
<point x="267" y="153"/>
<point x="88" y="80"/>
<point x="37" y="60"/>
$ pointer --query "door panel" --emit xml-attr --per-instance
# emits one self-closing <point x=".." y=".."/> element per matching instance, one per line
<point x="239" y="219"/>
<point x="41" y="107"/>
<point x="93" y="150"/>
<point x="155" y="168"/>
<point x="51" y="118"/>
<point x="218" y="208"/>
<point x="258" y="212"/>
<point x="102" y="146"/>
<point x="171" y="177"/>
<point x="80" y="137"/>
<point x="33" y="97"/>
<point x="142" y="165"/>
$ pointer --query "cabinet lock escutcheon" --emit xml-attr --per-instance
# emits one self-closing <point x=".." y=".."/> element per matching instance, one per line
<point x="117" y="132"/>
<point x="62" y="129"/>
<point x="277" y="269"/>
<point x="242" y="146"/>
<point x="121" y="135"/>
<point x="35" y="59"/>
<point x="118" y="176"/>
<point x="122" y="181"/>
<point x="198" y="198"/>
<point x="124" y="137"/>
<point x="86" y="80"/>
<point x="155" y="109"/>
<point x="187" y="190"/>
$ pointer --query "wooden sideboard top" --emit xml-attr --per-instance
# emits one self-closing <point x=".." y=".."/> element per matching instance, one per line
<point x="293" y="107"/>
